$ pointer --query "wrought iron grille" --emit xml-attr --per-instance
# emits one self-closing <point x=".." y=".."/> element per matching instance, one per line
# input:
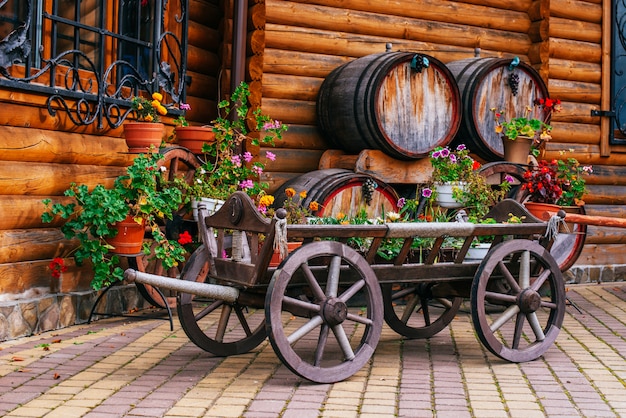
<point x="88" y="61"/>
<point x="618" y="78"/>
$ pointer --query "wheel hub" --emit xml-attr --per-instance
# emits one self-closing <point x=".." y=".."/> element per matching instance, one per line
<point x="334" y="311"/>
<point x="528" y="301"/>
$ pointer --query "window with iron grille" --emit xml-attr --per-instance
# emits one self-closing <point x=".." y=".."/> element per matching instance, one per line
<point x="89" y="57"/>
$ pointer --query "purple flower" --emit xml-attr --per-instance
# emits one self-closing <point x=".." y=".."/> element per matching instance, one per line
<point x="436" y="154"/>
<point x="461" y="147"/>
<point x="401" y="203"/>
<point x="247" y="156"/>
<point x="236" y="160"/>
<point x="452" y="158"/>
<point x="445" y="152"/>
<point x="270" y="155"/>
<point x="185" y="106"/>
<point x="588" y="169"/>
<point x="427" y="193"/>
<point x="509" y="179"/>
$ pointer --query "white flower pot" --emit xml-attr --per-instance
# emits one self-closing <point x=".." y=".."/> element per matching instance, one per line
<point x="212" y="205"/>
<point x="444" y="195"/>
<point x="478" y="252"/>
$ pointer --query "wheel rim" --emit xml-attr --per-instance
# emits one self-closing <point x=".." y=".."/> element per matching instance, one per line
<point x="232" y="329"/>
<point x="523" y="284"/>
<point x="413" y="311"/>
<point x="312" y="325"/>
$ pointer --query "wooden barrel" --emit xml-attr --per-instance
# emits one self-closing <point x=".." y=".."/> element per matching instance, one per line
<point x="484" y="84"/>
<point x="340" y="191"/>
<point x="387" y="102"/>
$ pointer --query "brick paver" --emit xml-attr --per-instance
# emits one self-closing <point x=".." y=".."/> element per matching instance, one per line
<point x="114" y="368"/>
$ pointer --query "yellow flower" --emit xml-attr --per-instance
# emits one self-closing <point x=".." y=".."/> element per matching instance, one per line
<point x="266" y="200"/>
<point x="162" y="110"/>
<point x="148" y="118"/>
<point x="499" y="129"/>
<point x="303" y="194"/>
<point x="314" y="206"/>
<point x="290" y="192"/>
<point x="157" y="96"/>
<point x="155" y="104"/>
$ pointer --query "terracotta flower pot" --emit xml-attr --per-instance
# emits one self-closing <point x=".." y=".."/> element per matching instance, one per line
<point x="276" y="259"/>
<point x="517" y="150"/>
<point x="129" y="238"/>
<point x="193" y="137"/>
<point x="542" y="211"/>
<point x="141" y="135"/>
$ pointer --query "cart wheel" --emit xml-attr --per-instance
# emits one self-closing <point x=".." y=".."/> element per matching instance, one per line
<point x="518" y="300"/>
<point x="236" y="332"/>
<point x="305" y="302"/>
<point x="422" y="314"/>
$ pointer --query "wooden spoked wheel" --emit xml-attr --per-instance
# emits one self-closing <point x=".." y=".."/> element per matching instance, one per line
<point x="235" y="329"/>
<point x="411" y="309"/>
<point x="180" y="163"/>
<point x="518" y="300"/>
<point x="324" y="311"/>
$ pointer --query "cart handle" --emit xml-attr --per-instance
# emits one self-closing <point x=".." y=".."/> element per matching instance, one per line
<point x="591" y="220"/>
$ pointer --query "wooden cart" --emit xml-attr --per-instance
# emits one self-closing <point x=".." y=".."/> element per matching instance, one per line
<point x="324" y="305"/>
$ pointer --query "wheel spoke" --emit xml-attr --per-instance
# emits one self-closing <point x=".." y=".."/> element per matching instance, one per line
<point x="409" y="308"/>
<point x="305" y="329"/>
<point x="524" y="270"/>
<point x="536" y="326"/>
<point x="519" y="329"/>
<point x="402" y="293"/>
<point x="318" y="293"/>
<point x="509" y="277"/>
<point x="447" y="304"/>
<point x="343" y="341"/>
<point x="499" y="297"/>
<point x="333" y="277"/>
<point x="360" y="319"/>
<point x="208" y="310"/>
<point x="223" y="322"/>
<point x="425" y="310"/>
<point x="321" y="344"/>
<point x="289" y="302"/>
<point x="541" y="279"/>
<point x="242" y="320"/>
<point x="548" y="304"/>
<point x="506" y="316"/>
<point x="352" y="290"/>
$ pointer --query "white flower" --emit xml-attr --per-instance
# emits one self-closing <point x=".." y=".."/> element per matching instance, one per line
<point x="393" y="216"/>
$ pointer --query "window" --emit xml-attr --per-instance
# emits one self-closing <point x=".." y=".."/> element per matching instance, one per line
<point x="618" y="76"/>
<point x="91" y="56"/>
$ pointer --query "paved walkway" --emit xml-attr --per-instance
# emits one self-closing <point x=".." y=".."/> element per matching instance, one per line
<point x="129" y="368"/>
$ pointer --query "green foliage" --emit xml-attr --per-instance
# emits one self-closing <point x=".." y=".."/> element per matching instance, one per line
<point x="141" y="193"/>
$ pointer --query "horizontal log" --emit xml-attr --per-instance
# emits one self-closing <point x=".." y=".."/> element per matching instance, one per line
<point x="357" y="45"/>
<point x="302" y="137"/>
<point x="25" y="276"/>
<point x="575" y="30"/>
<point x="478" y="15"/>
<point x="278" y="86"/>
<point x="394" y="27"/>
<point x="203" y="37"/>
<point x="575" y="50"/>
<point x="576" y="113"/>
<point x="276" y="179"/>
<point x="586" y="72"/>
<point x="606" y="210"/>
<point x="576" y="10"/>
<point x="41" y="145"/>
<point x="603" y="254"/>
<point x="605" y="235"/>
<point x="518" y="5"/>
<point x="606" y="175"/>
<point x="300" y="63"/>
<point x="293" y="160"/>
<point x="572" y="91"/>
<point x="18" y="245"/>
<point x="334" y="158"/>
<point x="202" y="61"/>
<point x="24" y="212"/>
<point x="585" y="153"/>
<point x="42" y="179"/>
<point x="575" y="133"/>
<point x="205" y="12"/>
<point x="291" y="111"/>
<point x="202" y="86"/>
<point x="605" y="195"/>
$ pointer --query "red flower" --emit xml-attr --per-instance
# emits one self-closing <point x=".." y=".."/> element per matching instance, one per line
<point x="185" y="238"/>
<point x="57" y="266"/>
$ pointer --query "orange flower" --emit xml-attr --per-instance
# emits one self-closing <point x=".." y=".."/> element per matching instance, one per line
<point x="290" y="192"/>
<point x="314" y="206"/>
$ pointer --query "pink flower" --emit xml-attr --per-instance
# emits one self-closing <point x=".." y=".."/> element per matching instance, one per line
<point x="258" y="170"/>
<point x="270" y="155"/>
<point x="185" y="106"/>
<point x="401" y="202"/>
<point x="247" y="156"/>
<point x="236" y="160"/>
<point x="262" y="209"/>
<point x="246" y="184"/>
<point x="427" y="193"/>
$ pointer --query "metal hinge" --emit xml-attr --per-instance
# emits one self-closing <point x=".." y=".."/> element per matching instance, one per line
<point x="603" y="113"/>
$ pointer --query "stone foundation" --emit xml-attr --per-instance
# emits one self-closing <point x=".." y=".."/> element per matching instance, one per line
<point x="48" y="312"/>
<point x="595" y="274"/>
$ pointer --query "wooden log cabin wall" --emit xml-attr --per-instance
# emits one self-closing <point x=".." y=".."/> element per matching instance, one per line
<point x="291" y="47"/>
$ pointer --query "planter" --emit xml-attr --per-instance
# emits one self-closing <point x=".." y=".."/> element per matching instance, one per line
<point x="542" y="211"/>
<point x="445" y="197"/>
<point x="517" y="150"/>
<point x="212" y="205"/>
<point x="129" y="238"/>
<point x="276" y="259"/>
<point x="141" y="135"/>
<point x="478" y="252"/>
<point x="193" y="137"/>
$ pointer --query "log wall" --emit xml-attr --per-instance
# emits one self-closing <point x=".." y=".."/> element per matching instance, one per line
<point x="291" y="47"/>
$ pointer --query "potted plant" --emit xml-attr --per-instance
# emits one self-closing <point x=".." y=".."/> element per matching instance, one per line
<point x="520" y="134"/>
<point x="227" y="166"/>
<point x="138" y="197"/>
<point x="451" y="170"/>
<point x="147" y="130"/>
<point x="191" y="137"/>
<point x="558" y="183"/>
